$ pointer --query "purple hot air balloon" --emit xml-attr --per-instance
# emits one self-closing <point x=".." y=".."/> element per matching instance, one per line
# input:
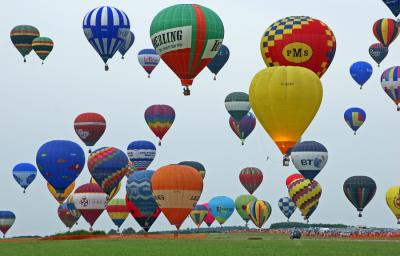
<point x="243" y="128"/>
<point x="159" y="118"/>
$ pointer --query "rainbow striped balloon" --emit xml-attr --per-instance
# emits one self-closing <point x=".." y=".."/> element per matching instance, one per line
<point x="159" y="118"/>
<point x="259" y="212"/>
<point x="118" y="211"/>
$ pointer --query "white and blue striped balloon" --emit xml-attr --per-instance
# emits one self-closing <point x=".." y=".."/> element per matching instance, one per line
<point x="129" y="40"/>
<point x="106" y="29"/>
<point x="141" y="153"/>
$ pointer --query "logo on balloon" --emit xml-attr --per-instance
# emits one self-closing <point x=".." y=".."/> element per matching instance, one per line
<point x="297" y="52"/>
<point x="82" y="134"/>
<point x="396" y="202"/>
<point x="84" y="201"/>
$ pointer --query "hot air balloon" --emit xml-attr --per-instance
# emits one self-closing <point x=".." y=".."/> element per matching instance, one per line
<point x="71" y="206"/>
<point x="106" y="29"/>
<point x="221" y="207"/>
<point x="60" y="162"/>
<point x="390" y="81"/>
<point x="187" y="37"/>
<point x="141" y="153"/>
<point x="118" y="211"/>
<point x="144" y="221"/>
<point x="90" y="201"/>
<point x="385" y="31"/>
<point x="243" y="128"/>
<point x="393" y="201"/>
<point x="287" y="207"/>
<point x="292" y="178"/>
<point x="394" y="6"/>
<point x="159" y="118"/>
<point x="285" y="101"/>
<point x="24" y="174"/>
<point x="126" y="45"/>
<point x="219" y="61"/>
<point x="355" y="118"/>
<point x="61" y="196"/>
<point x="42" y="47"/>
<point x="299" y="41"/>
<point x="7" y="219"/>
<point x="176" y="189"/>
<point x="22" y="37"/>
<point x="89" y="127"/>
<point x="305" y="194"/>
<point x="113" y="193"/>
<point x="198" y="214"/>
<point x="237" y="104"/>
<point x="378" y="52"/>
<point x="309" y="158"/>
<point x="251" y="178"/>
<point x="259" y="212"/>
<point x="148" y="59"/>
<point x="208" y="219"/>
<point x="196" y="165"/>
<point x="359" y="190"/>
<point x="241" y="203"/>
<point x="108" y="166"/>
<point x="66" y="216"/>
<point x="361" y="71"/>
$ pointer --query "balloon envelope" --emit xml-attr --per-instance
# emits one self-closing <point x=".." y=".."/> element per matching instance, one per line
<point x="355" y="118"/>
<point x="361" y="71"/>
<point x="292" y="178"/>
<point x="305" y="194"/>
<point x="126" y="45"/>
<point x="243" y="128"/>
<point x="259" y="212"/>
<point x="118" y="211"/>
<point x="24" y="174"/>
<point x="176" y="189"/>
<point x="196" y="165"/>
<point x="287" y="206"/>
<point x="148" y="59"/>
<point x="359" y="190"/>
<point x="208" y="219"/>
<point x="42" y="47"/>
<point x="60" y="162"/>
<point x="394" y="6"/>
<point x="237" y="104"/>
<point x="61" y="196"/>
<point x="385" y="31"/>
<point x="22" y="37"/>
<point x="144" y="221"/>
<point x="241" y="203"/>
<point x="221" y="207"/>
<point x="220" y="59"/>
<point x="141" y="153"/>
<point x="390" y="81"/>
<point x="65" y="215"/>
<point x="286" y="111"/>
<point x="7" y="219"/>
<point x="90" y="127"/>
<point x="251" y="178"/>
<point x="378" y="52"/>
<point x="198" y="214"/>
<point x="393" y="201"/>
<point x="159" y="118"/>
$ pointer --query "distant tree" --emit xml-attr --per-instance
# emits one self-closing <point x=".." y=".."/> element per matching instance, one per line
<point x="112" y="232"/>
<point x="128" y="231"/>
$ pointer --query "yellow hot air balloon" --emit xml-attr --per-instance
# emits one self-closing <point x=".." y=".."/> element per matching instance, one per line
<point x="393" y="201"/>
<point x="60" y="197"/>
<point x="113" y="193"/>
<point x="285" y="101"/>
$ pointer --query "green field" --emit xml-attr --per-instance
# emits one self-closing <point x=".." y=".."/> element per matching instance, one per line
<point x="214" y="244"/>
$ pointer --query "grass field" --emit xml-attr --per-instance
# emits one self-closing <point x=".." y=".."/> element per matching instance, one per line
<point x="213" y="245"/>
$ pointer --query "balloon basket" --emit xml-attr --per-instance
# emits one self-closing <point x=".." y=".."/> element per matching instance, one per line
<point x="215" y="78"/>
<point x="24" y="59"/>
<point x="122" y="57"/>
<point x="106" y="68"/>
<point x="148" y="76"/>
<point x="186" y="91"/>
<point x="398" y="108"/>
<point x="359" y="214"/>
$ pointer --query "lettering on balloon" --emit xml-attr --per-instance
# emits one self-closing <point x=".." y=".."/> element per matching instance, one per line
<point x="172" y="39"/>
<point x="297" y="52"/>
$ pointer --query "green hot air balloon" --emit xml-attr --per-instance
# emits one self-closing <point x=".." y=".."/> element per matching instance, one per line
<point x="42" y="47"/>
<point x="241" y="203"/>
<point x="22" y="37"/>
<point x="237" y="104"/>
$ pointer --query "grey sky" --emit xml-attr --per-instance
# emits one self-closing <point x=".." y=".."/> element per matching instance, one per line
<point x="39" y="103"/>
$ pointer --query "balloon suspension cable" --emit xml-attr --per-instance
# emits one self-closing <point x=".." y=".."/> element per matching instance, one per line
<point x="186" y="91"/>
<point x="106" y="68"/>
<point x="148" y="76"/>
<point x="215" y="77"/>
<point x="24" y="59"/>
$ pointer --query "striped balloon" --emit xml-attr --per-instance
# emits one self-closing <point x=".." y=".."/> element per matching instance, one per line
<point x="198" y="214"/>
<point x="106" y="29"/>
<point x="244" y="127"/>
<point x="148" y="59"/>
<point x="129" y="40"/>
<point x="378" y="52"/>
<point x="24" y="174"/>
<point x="141" y="153"/>
<point x="42" y="47"/>
<point x="113" y="193"/>
<point x="7" y="219"/>
<point x="108" y="165"/>
<point x="355" y="118"/>
<point x="159" y="118"/>
<point x="208" y="219"/>
<point x="131" y="169"/>
<point x="241" y="203"/>
<point x="287" y="206"/>
<point x="22" y="37"/>
<point x="237" y="104"/>
<point x="90" y="201"/>
<point x="386" y="31"/>
<point x="145" y="222"/>
<point x="292" y="178"/>
<point x="259" y="212"/>
<point x="90" y="127"/>
<point x="359" y="190"/>
<point x="305" y="194"/>
<point x="390" y="81"/>
<point x="60" y="197"/>
<point x="118" y="211"/>
<point x="251" y="178"/>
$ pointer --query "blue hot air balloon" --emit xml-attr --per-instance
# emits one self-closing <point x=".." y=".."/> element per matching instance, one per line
<point x="129" y="40"/>
<point x="394" y="6"/>
<point x="141" y="153"/>
<point x="60" y="162"/>
<point x="148" y="59"/>
<point x="7" y="219"/>
<point x="138" y="189"/>
<point x="219" y="60"/>
<point x="221" y="207"/>
<point x="309" y="158"/>
<point x="106" y="29"/>
<point x="355" y="117"/>
<point x="361" y="71"/>
<point x="287" y="206"/>
<point x="24" y="174"/>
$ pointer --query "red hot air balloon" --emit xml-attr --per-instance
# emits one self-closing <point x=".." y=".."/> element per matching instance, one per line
<point x="292" y="178"/>
<point x="386" y="31"/>
<point x="90" y="127"/>
<point x="251" y="178"/>
<point x="90" y="201"/>
<point x="159" y="118"/>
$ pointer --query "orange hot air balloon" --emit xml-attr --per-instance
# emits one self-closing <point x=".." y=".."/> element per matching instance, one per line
<point x="176" y="189"/>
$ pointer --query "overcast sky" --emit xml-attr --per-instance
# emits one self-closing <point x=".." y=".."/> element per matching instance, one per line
<point x="38" y="103"/>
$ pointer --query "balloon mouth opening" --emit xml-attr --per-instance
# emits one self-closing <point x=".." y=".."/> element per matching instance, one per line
<point x="284" y="146"/>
